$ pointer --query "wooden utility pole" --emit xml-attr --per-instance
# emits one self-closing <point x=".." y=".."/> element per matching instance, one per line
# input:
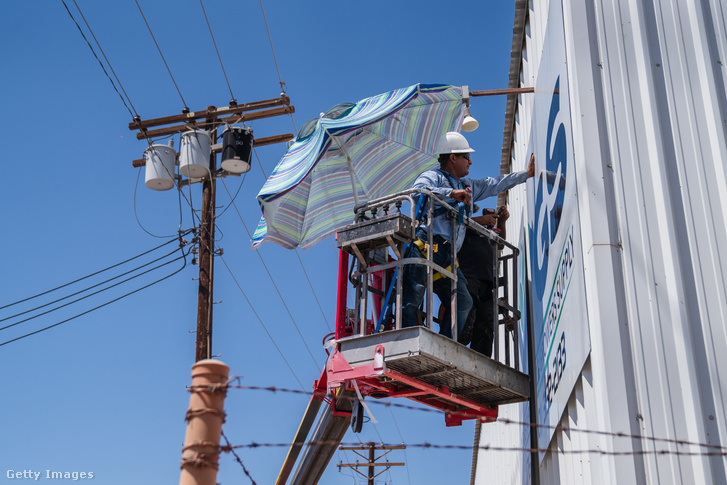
<point x="203" y="349"/>
<point x="213" y="119"/>
<point x="371" y="459"/>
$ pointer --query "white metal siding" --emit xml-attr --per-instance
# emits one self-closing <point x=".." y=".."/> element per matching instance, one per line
<point x="649" y="110"/>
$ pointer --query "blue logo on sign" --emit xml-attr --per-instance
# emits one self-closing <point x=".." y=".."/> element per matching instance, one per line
<point x="549" y="194"/>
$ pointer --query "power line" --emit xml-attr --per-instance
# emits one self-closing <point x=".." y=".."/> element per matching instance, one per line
<point x="136" y="213"/>
<point x="232" y="198"/>
<point x="99" y="60"/>
<point x="106" y="58"/>
<point x="84" y="290"/>
<point x="315" y="296"/>
<point x="280" y="295"/>
<point x="262" y="169"/>
<point x="90" y="295"/>
<point x="297" y="253"/>
<point x="184" y="256"/>
<point x="406" y="459"/>
<point x="275" y="59"/>
<point x="282" y="84"/>
<point x="233" y="101"/>
<point x="182" y="234"/>
<point x="186" y="109"/>
<point x="262" y="324"/>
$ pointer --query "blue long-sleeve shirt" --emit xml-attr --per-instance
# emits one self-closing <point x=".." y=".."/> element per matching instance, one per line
<point x="438" y="183"/>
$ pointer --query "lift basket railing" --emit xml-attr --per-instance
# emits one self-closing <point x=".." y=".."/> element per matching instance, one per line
<point x="380" y="237"/>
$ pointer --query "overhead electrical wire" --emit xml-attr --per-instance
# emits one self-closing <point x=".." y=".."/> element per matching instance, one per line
<point x="232" y="198"/>
<point x="406" y="459"/>
<point x="315" y="296"/>
<point x="132" y="111"/>
<point x="184" y="257"/>
<point x="136" y="212"/>
<point x="85" y="290"/>
<point x="99" y="60"/>
<point x="285" y="305"/>
<point x="239" y="287"/>
<point x="275" y="59"/>
<point x="106" y="58"/>
<point x="134" y="114"/>
<point x="176" y="238"/>
<point x="89" y="295"/>
<point x="282" y="86"/>
<point x="233" y="100"/>
<point x="297" y="253"/>
<point x="262" y="169"/>
<point x="186" y="108"/>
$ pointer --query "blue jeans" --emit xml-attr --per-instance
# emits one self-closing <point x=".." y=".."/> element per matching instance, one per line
<point x="414" y="287"/>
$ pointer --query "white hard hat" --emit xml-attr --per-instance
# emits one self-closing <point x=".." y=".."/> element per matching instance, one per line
<point x="452" y="142"/>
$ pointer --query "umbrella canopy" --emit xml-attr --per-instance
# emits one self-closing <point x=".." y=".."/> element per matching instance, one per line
<point x="352" y="154"/>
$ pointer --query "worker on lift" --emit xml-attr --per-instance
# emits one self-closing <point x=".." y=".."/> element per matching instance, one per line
<point x="449" y="181"/>
<point x="477" y="259"/>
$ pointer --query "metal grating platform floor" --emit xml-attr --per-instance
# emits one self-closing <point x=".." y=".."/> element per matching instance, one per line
<point x="441" y="362"/>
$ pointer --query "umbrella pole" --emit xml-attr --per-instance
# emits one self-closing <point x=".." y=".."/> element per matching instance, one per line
<point x="353" y="182"/>
<point x="349" y="164"/>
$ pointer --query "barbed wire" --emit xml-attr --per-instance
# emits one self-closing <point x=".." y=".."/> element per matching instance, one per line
<point x="719" y="450"/>
<point x="229" y="448"/>
<point x="436" y="446"/>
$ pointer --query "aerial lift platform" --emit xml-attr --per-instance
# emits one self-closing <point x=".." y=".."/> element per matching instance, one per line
<point x="377" y="358"/>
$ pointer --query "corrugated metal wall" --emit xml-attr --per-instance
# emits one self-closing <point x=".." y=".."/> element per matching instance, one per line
<point x="649" y="108"/>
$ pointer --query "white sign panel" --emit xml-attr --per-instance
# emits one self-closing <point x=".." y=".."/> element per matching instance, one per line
<point x="555" y="263"/>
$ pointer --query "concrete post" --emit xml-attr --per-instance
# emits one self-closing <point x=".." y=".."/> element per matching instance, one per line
<point x="204" y="423"/>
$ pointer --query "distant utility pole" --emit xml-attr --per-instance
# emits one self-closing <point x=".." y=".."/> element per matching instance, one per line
<point x="214" y="118"/>
<point x="371" y="459"/>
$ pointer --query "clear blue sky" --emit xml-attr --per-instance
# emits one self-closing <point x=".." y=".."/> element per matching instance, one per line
<point x="105" y="392"/>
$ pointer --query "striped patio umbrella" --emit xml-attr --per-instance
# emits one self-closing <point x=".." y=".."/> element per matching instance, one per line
<point x="353" y="154"/>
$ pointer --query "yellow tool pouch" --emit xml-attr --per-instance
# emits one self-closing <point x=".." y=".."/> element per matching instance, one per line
<point x="438" y="275"/>
<point x="422" y="246"/>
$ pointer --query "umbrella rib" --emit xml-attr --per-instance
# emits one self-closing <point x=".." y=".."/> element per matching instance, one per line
<point x="350" y="167"/>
